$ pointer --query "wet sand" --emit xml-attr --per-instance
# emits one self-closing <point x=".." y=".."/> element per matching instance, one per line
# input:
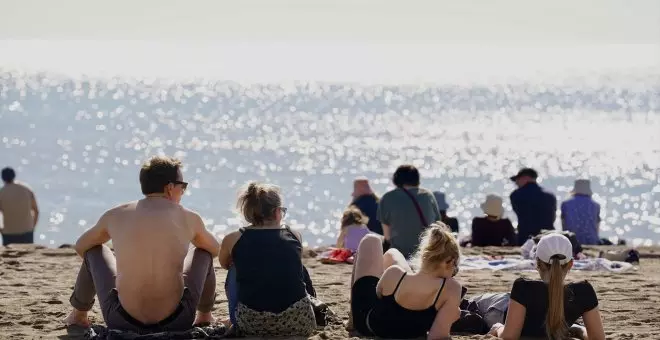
<point x="35" y="284"/>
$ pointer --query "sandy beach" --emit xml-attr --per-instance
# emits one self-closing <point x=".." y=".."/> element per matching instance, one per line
<point x="35" y="284"/>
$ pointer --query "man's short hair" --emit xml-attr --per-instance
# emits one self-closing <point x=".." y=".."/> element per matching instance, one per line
<point x="406" y="175"/>
<point x="8" y="175"/>
<point x="158" y="172"/>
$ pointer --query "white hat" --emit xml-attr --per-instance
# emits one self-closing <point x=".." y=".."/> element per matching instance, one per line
<point x="554" y="244"/>
<point x="493" y="206"/>
<point x="582" y="187"/>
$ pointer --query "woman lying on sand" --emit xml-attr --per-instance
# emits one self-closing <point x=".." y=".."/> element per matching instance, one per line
<point x="389" y="300"/>
<point x="545" y="307"/>
<point x="273" y="285"/>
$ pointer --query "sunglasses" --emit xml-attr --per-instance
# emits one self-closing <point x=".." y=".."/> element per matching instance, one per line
<point x="455" y="263"/>
<point x="283" y="210"/>
<point x="184" y="185"/>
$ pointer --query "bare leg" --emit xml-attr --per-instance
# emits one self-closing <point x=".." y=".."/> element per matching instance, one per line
<point x="370" y="261"/>
<point x="394" y="257"/>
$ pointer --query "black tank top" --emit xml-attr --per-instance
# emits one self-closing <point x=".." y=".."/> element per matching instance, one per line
<point x="389" y="319"/>
<point x="269" y="270"/>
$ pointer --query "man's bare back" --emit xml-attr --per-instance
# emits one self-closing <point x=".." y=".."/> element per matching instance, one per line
<point x="151" y="238"/>
<point x="142" y="283"/>
<point x="18" y="205"/>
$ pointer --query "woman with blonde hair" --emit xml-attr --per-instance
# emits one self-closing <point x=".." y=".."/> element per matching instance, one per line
<point x="271" y="284"/>
<point x="546" y="307"/>
<point x="389" y="300"/>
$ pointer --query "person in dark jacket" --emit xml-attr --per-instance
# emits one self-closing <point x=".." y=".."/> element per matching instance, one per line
<point x="443" y="206"/>
<point x="535" y="207"/>
<point x="367" y="201"/>
<point x="492" y="229"/>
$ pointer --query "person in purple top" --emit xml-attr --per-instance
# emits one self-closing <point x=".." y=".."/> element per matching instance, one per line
<point x="581" y="214"/>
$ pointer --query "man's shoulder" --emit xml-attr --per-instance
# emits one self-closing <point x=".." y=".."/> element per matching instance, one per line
<point x="391" y="194"/>
<point x="120" y="208"/>
<point x="424" y="192"/>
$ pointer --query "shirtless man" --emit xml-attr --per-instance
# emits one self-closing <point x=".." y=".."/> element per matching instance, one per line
<point x="154" y="281"/>
<point x="19" y="210"/>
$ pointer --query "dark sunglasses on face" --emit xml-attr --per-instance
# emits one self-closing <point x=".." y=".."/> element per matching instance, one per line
<point x="283" y="210"/>
<point x="184" y="185"/>
<point x="455" y="264"/>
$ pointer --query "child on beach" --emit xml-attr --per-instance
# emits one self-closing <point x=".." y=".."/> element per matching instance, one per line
<point x="353" y="229"/>
<point x="389" y="300"/>
<point x="545" y="307"/>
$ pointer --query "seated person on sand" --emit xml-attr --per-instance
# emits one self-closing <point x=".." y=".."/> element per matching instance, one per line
<point x="545" y="307"/>
<point x="389" y="300"/>
<point x="581" y="214"/>
<point x="366" y="201"/>
<point x="406" y="211"/>
<point x="266" y="271"/>
<point x="353" y="228"/>
<point x="492" y="229"/>
<point x="443" y="206"/>
<point x="154" y="281"/>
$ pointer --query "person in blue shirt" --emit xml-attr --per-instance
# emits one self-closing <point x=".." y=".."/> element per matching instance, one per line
<point x="535" y="207"/>
<point x="581" y="214"/>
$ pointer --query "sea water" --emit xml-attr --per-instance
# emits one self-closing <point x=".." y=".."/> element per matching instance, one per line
<point x="78" y="140"/>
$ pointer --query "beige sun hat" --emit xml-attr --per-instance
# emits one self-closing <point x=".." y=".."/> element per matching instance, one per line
<point x="582" y="187"/>
<point x="493" y="206"/>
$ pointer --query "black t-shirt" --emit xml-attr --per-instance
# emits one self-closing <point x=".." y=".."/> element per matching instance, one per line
<point x="579" y="298"/>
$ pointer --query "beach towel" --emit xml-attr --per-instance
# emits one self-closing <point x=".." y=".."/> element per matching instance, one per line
<point x="337" y="255"/>
<point x="518" y="263"/>
<point x="98" y="332"/>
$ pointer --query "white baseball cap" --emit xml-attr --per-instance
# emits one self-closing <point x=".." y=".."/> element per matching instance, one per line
<point x="554" y="244"/>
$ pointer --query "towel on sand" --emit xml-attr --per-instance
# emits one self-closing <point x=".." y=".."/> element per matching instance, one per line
<point x="519" y="263"/>
<point x="98" y="332"/>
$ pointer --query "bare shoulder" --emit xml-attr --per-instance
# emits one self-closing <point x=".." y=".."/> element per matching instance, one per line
<point x="230" y="239"/>
<point x="390" y="278"/>
<point x="452" y="288"/>
<point x="192" y="216"/>
<point x="116" y="210"/>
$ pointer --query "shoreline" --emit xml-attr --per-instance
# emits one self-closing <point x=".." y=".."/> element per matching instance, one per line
<point x="36" y="282"/>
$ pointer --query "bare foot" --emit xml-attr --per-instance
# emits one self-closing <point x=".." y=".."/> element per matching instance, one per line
<point x="77" y="318"/>
<point x="204" y="318"/>
<point x="226" y="322"/>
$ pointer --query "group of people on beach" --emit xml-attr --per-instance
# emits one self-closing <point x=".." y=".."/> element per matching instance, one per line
<point x="402" y="213"/>
<point x="159" y="275"/>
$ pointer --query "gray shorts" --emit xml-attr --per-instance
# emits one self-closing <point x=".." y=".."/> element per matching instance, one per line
<point x="492" y="307"/>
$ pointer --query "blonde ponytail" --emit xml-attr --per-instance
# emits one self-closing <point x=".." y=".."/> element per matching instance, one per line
<point x="555" y="323"/>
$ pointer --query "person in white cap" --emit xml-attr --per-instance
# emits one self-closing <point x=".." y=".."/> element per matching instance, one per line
<point x="581" y="214"/>
<point x="544" y="308"/>
<point x="492" y="229"/>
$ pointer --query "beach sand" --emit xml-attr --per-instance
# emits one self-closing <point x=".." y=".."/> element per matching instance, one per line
<point x="35" y="284"/>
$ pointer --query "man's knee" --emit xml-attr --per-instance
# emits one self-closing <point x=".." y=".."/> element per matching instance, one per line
<point x="202" y="254"/>
<point x="97" y="250"/>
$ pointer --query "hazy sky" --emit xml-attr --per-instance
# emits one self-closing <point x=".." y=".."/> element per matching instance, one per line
<point x="381" y="41"/>
<point x="492" y="22"/>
